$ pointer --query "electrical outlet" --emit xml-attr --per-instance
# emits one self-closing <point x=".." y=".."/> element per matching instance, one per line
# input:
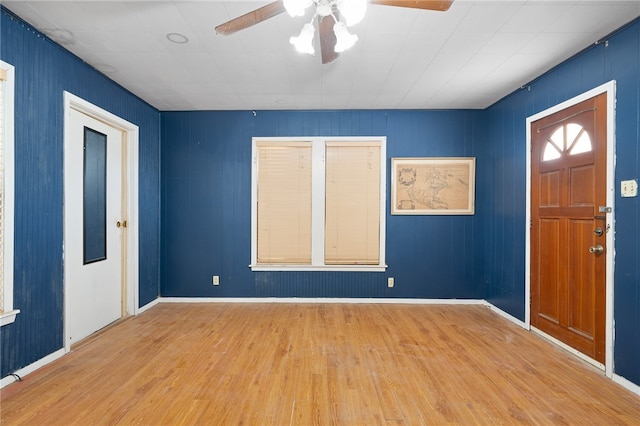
<point x="216" y="280"/>
<point x="629" y="188"/>
<point x="390" y="282"/>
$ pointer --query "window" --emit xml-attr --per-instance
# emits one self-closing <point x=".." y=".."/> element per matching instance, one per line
<point x="7" y="313"/>
<point x="352" y="204"/>
<point x="284" y="194"/>
<point x="571" y="138"/>
<point x="318" y="204"/>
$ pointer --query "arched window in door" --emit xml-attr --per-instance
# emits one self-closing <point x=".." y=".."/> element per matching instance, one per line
<point x="570" y="138"/>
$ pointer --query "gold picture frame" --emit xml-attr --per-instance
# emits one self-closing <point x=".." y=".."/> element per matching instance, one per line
<point x="433" y="186"/>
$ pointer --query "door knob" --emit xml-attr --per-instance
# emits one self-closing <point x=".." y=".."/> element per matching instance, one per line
<point x="597" y="249"/>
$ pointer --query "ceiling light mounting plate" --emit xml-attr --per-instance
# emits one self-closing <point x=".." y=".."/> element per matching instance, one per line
<point x="325" y="7"/>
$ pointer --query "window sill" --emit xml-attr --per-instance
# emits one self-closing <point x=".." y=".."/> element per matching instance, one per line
<point x="305" y="268"/>
<point x="8" y="317"/>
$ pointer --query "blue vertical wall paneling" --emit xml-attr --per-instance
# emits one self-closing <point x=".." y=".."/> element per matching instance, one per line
<point x="204" y="212"/>
<point x="624" y="66"/>
<point x="619" y="60"/>
<point x="43" y="71"/>
<point x="504" y="188"/>
<point x="206" y="228"/>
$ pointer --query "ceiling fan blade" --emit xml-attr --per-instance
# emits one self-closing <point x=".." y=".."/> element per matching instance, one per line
<point x="327" y="39"/>
<point x="440" y="5"/>
<point x="252" y="18"/>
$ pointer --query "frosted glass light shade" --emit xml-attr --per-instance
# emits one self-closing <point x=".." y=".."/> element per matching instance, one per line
<point x="344" y="40"/>
<point x="296" y="7"/>
<point x="304" y="42"/>
<point x="352" y="10"/>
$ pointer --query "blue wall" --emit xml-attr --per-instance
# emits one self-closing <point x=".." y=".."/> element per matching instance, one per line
<point x="43" y="71"/>
<point x="206" y="214"/>
<point x="504" y="150"/>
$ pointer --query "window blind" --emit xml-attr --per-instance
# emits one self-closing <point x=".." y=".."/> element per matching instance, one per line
<point x="352" y="204"/>
<point x="284" y="203"/>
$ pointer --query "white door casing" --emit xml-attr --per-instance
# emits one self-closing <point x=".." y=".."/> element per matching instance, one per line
<point x="98" y="293"/>
<point x="610" y="89"/>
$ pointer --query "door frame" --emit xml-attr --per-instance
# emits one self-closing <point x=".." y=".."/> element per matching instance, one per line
<point x="130" y="171"/>
<point x="610" y="89"/>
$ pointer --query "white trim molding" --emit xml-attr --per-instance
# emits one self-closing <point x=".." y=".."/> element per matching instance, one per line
<point x="310" y="300"/>
<point x="628" y="385"/>
<point x="8" y="317"/>
<point x="318" y="146"/>
<point x="8" y="93"/>
<point x="568" y="348"/>
<point x="31" y="368"/>
<point x="148" y="306"/>
<point x="508" y="316"/>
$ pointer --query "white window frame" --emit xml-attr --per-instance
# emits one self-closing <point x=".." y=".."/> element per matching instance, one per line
<point x="8" y="91"/>
<point x="318" y="205"/>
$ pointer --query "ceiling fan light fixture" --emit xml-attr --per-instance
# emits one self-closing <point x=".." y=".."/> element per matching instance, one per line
<point x="324" y="7"/>
<point x="304" y="42"/>
<point x="296" y="7"/>
<point x="352" y="10"/>
<point x="348" y="12"/>
<point x="344" y="40"/>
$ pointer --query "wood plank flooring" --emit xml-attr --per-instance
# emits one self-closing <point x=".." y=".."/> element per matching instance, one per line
<point x="317" y="364"/>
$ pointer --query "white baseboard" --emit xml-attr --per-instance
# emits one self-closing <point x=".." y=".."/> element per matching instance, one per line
<point x="569" y="349"/>
<point x="507" y="316"/>
<point x="629" y="385"/>
<point x="321" y="300"/>
<point x="32" y="367"/>
<point x="147" y="306"/>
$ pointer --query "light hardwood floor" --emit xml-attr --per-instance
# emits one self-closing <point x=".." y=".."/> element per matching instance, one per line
<point x="324" y="364"/>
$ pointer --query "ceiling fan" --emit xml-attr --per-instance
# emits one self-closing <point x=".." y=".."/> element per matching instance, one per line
<point x="333" y="16"/>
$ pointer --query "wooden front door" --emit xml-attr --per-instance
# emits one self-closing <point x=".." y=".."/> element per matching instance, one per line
<point x="568" y="228"/>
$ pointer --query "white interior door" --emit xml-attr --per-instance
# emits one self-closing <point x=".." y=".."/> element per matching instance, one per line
<point x="94" y="225"/>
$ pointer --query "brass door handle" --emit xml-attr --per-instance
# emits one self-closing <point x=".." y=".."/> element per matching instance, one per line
<point x="597" y="249"/>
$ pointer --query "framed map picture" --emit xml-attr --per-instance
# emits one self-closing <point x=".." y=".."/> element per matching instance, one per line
<point x="438" y="186"/>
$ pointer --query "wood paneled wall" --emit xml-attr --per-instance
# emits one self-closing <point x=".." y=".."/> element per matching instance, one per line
<point x="206" y="199"/>
<point x="502" y="196"/>
<point x="43" y="71"/>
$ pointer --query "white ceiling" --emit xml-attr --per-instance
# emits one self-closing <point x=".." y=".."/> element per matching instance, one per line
<point x="468" y="57"/>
